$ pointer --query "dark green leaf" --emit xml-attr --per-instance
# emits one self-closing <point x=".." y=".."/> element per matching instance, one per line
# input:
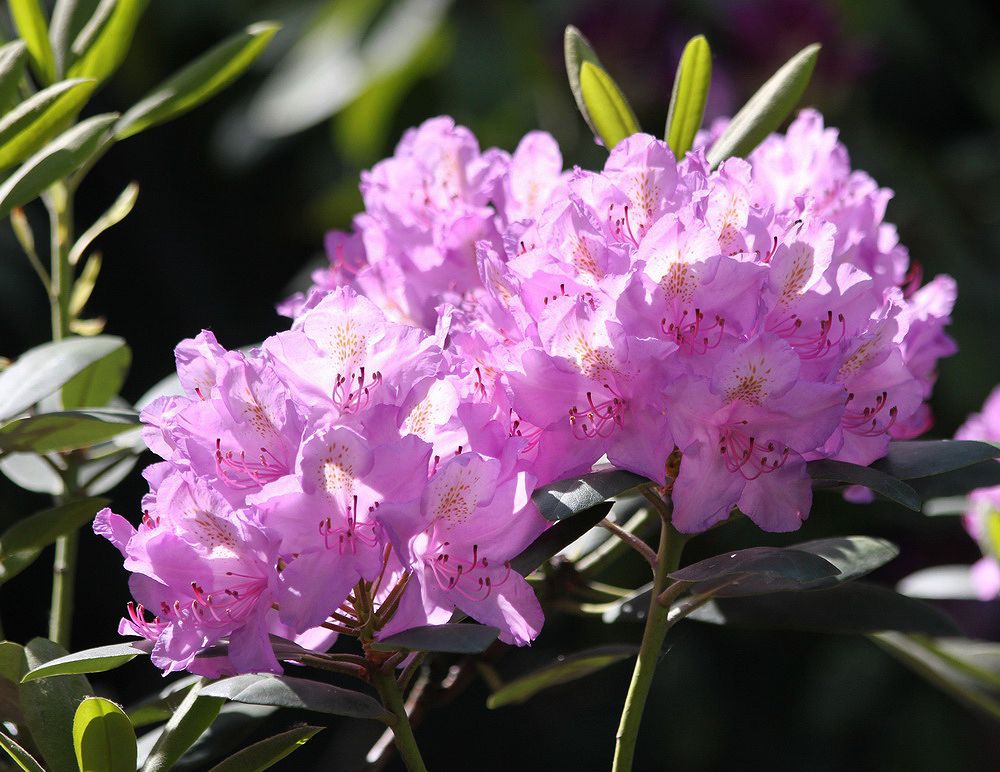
<point x="985" y="474"/>
<point x="766" y="109"/>
<point x="21" y="757"/>
<point x="289" y="692"/>
<point x="96" y="660"/>
<point x="49" y="706"/>
<point x="452" y="638"/>
<point x="65" y="430"/>
<point x="199" y="81"/>
<point x="41" y="371"/>
<point x="194" y="715"/>
<point x="606" y="105"/>
<point x="100" y="46"/>
<point x="29" y="21"/>
<point x="39" y="118"/>
<point x="687" y="102"/>
<point x="58" y="159"/>
<point x="103" y="737"/>
<point x="828" y="470"/>
<point x="12" y="666"/>
<point x="577" y="50"/>
<point x="563" y="670"/>
<point x="562" y="499"/>
<point x="12" y="61"/>
<point x="854" y="556"/>
<point x="264" y="754"/>
<point x="558" y="537"/>
<point x="908" y="459"/>
<point x="95" y="385"/>
<point x="162" y="705"/>
<point x="235" y="723"/>
<point x="755" y="571"/>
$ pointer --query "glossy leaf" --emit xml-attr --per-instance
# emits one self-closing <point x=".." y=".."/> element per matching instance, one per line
<point x="194" y="715"/>
<point x="29" y="21"/>
<point x="117" y="212"/>
<point x="606" y="105"/>
<point x="65" y="430"/>
<point x="563" y="670"/>
<point x="766" y="109"/>
<point x="853" y="556"/>
<point x="199" y="81"/>
<point x="39" y="118"/>
<point x="96" y="384"/>
<point x="50" y="704"/>
<point x="103" y="737"/>
<point x="952" y="582"/>
<point x="162" y="705"/>
<point x="922" y="458"/>
<point x="452" y="638"/>
<point x="577" y="50"/>
<point x="18" y="754"/>
<point x="756" y="571"/>
<point x="12" y="667"/>
<point x="829" y="471"/>
<point x="101" y="44"/>
<point x="562" y="499"/>
<point x="58" y="159"/>
<point x="558" y="537"/>
<point x="13" y="57"/>
<point x="96" y="660"/>
<point x="264" y="754"/>
<point x="289" y="692"/>
<point x="687" y="101"/>
<point x="958" y="482"/>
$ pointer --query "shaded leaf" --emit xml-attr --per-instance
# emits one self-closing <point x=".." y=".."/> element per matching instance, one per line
<point x="13" y="57"/>
<point x="828" y="470"/>
<point x="289" y="692"/>
<point x="765" y="110"/>
<point x="198" y="81"/>
<point x="96" y="384"/>
<point x="607" y="106"/>
<point x="39" y="118"/>
<point x="985" y="474"/>
<point x="100" y="46"/>
<point x="563" y="670"/>
<point x="562" y="499"/>
<point x="162" y="705"/>
<point x="194" y="715"/>
<point x="755" y="571"/>
<point x="103" y="737"/>
<point x="687" y="101"/>
<point x="21" y="757"/>
<point x="12" y="666"/>
<point x="577" y="50"/>
<point x="29" y="21"/>
<point x="454" y="638"/>
<point x="96" y="660"/>
<point x="234" y="724"/>
<point x="854" y="556"/>
<point x="558" y="537"/>
<point x="907" y="459"/>
<point x="264" y="754"/>
<point x="65" y="430"/>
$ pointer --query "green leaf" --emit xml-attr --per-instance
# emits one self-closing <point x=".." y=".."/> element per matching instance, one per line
<point x="96" y="660"/>
<point x="12" y="61"/>
<point x="853" y="556"/>
<point x="101" y="45"/>
<point x="162" y="705"/>
<point x="908" y="459"/>
<point x="453" y="638"/>
<point x="687" y="101"/>
<point x="103" y="737"/>
<point x="952" y="582"/>
<point x="29" y="21"/>
<point x="985" y="474"/>
<point x="756" y="571"/>
<point x="12" y="666"/>
<point x="117" y="212"/>
<point x="39" y="118"/>
<point x="58" y="159"/>
<point x="577" y="50"/>
<point x="66" y="430"/>
<point x="22" y="542"/>
<point x="264" y="754"/>
<point x="563" y="670"/>
<point x="199" y="81"/>
<point x="289" y="692"/>
<point x="21" y="757"/>
<point x="83" y="287"/>
<point x="606" y="104"/>
<point x="195" y="714"/>
<point x="557" y="538"/>
<point x="766" y="109"/>
<point x="830" y="471"/>
<point x="95" y="385"/>
<point x="49" y="706"/>
<point x="565" y="498"/>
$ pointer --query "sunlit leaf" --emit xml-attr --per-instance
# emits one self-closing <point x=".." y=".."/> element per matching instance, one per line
<point x="117" y="212"/>
<point x="854" y="556"/>
<point x="19" y="755"/>
<point x="452" y="638"/>
<point x="13" y="57"/>
<point x="687" y="101"/>
<point x="96" y="384"/>
<point x="577" y="50"/>
<point x="264" y="754"/>
<point x="565" y="498"/>
<point x="607" y="106"/>
<point x="29" y="21"/>
<point x="96" y="660"/>
<point x="558" y="537"/>
<point x="103" y="737"/>
<point x="939" y="582"/>
<point x="193" y="716"/>
<point x="65" y="430"/>
<point x="39" y="118"/>
<point x="101" y="44"/>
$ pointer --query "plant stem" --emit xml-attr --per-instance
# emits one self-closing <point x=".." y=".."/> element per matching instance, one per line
<point x="667" y="558"/>
<point x="392" y="699"/>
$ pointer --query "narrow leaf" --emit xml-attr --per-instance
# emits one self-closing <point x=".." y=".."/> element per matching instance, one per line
<point x="563" y="670"/>
<point x="194" y="715"/>
<point x="103" y="737"/>
<point x="29" y="21"/>
<point x="95" y="385"/>
<point x="289" y="692"/>
<point x="58" y="159"/>
<point x="909" y="459"/>
<point x="565" y="498"/>
<point x="199" y="81"/>
<point x="39" y="118"/>
<point x="853" y="556"/>
<point x="557" y="538"/>
<point x="66" y="430"/>
<point x="266" y="753"/>
<point x="687" y="101"/>
<point x="453" y="638"/>
<point x="766" y="109"/>
<point x="830" y="471"/>
<point x="606" y="104"/>
<point x="96" y="660"/>
<point x="577" y="50"/>
<point x="101" y="45"/>
<point x="162" y="705"/>
<point x="21" y="757"/>
<point x="84" y="286"/>
<point x="117" y="212"/>
<point x="13" y="57"/>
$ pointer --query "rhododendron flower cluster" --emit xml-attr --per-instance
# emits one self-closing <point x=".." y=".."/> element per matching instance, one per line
<point x="982" y="519"/>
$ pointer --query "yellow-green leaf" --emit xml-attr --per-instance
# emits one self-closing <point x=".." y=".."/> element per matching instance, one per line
<point x="264" y="754"/>
<point x="99" y="382"/>
<point x="101" y="45"/>
<point x="12" y="61"/>
<point x="29" y="20"/>
<point x="577" y="50"/>
<point x="21" y="757"/>
<point x="606" y="104"/>
<point x="103" y="737"/>
<point x="687" y="102"/>
<point x="39" y="118"/>
<point x="117" y="212"/>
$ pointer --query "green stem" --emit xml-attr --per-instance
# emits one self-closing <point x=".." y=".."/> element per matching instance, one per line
<point x="392" y="699"/>
<point x="668" y="557"/>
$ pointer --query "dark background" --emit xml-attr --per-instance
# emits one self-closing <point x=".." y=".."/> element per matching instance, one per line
<point x="227" y="217"/>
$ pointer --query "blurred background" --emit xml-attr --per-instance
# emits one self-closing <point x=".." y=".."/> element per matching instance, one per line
<point x="235" y="199"/>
